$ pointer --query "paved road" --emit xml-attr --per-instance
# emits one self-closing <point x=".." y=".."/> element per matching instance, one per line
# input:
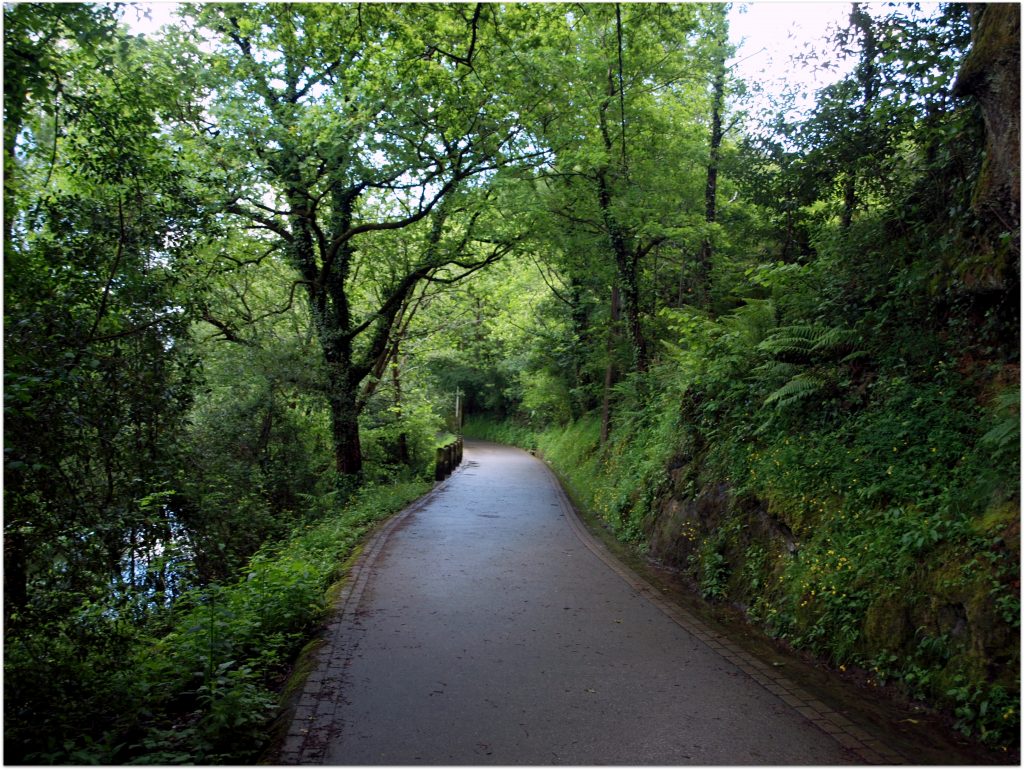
<point x="482" y="628"/>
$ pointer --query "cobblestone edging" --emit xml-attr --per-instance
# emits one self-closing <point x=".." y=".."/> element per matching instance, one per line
<point x="314" y="722"/>
<point x="847" y="734"/>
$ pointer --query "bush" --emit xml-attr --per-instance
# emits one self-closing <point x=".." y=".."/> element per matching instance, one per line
<point x="502" y="432"/>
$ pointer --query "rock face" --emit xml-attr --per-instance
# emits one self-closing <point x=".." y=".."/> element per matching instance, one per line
<point x="683" y="524"/>
<point x="940" y="621"/>
<point x="673" y="539"/>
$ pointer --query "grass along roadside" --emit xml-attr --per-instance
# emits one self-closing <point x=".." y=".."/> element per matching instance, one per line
<point x="249" y="634"/>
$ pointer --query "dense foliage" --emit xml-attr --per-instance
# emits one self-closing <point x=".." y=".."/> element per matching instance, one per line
<point x="251" y="264"/>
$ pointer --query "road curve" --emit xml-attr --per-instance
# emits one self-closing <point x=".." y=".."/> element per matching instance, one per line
<point x="481" y="627"/>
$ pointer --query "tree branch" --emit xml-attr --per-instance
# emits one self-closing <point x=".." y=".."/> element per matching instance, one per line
<point x="466" y="60"/>
<point x="264" y="222"/>
<point x="287" y="307"/>
<point x="105" y="298"/>
<point x="403" y="320"/>
<point x="544" y="277"/>
<point x="471" y="267"/>
<point x="227" y="332"/>
<point x="642" y="251"/>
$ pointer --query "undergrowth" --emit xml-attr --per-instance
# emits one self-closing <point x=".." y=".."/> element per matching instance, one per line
<point x="194" y="687"/>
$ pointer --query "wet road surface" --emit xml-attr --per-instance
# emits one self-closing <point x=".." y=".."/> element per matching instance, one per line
<point x="481" y="628"/>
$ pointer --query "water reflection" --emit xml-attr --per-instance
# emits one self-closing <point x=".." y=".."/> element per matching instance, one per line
<point x="157" y="562"/>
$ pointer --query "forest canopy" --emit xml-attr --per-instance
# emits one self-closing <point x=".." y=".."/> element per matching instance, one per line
<point x="250" y="264"/>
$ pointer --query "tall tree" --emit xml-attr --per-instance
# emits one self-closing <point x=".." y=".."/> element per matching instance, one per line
<point x="632" y="75"/>
<point x="719" y="33"/>
<point x="352" y="121"/>
<point x="991" y="73"/>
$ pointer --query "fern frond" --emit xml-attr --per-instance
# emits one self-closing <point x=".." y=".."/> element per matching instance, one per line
<point x="833" y="341"/>
<point x="854" y="356"/>
<point x="789" y="342"/>
<point x="799" y="387"/>
<point x="1006" y="433"/>
<point x="808" y="342"/>
<point x="753" y="321"/>
<point x="775" y="370"/>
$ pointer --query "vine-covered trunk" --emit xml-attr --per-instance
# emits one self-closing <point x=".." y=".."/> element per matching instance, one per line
<point x="991" y="74"/>
<point x="867" y="80"/>
<point x="609" y="372"/>
<point x="348" y="453"/>
<point x="626" y="258"/>
<point x="578" y="403"/>
<point x="627" y="274"/>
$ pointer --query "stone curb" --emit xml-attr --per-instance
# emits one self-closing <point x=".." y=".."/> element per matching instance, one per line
<point x="838" y="727"/>
<point x="313" y="722"/>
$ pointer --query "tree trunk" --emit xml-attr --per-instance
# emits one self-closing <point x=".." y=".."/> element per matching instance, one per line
<point x="609" y="372"/>
<point x="403" y="440"/>
<point x="348" y="453"/>
<point x="702" y="280"/>
<point x="626" y="259"/>
<point x="991" y="74"/>
<point x="849" y="200"/>
<point x="868" y="82"/>
<point x="15" y="574"/>
<point x="580" y="333"/>
<point x="627" y="270"/>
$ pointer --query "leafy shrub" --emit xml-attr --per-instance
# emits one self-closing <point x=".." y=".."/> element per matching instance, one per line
<point x="502" y="432"/>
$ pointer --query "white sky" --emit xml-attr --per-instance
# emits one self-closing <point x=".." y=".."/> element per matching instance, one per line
<point x="768" y="34"/>
<point x="160" y="13"/>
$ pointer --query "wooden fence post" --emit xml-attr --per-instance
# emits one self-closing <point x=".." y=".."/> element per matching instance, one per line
<point x="439" y="469"/>
<point x="448" y="458"/>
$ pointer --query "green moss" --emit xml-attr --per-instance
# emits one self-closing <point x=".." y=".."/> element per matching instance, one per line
<point x="997" y="34"/>
<point x="334" y="590"/>
<point x="999" y="518"/>
<point x="305" y="664"/>
<point x="886" y="624"/>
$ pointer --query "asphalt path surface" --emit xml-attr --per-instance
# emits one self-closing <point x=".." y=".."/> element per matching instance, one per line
<point x="481" y="628"/>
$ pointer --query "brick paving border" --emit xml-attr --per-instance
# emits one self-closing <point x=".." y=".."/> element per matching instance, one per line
<point x="834" y="724"/>
<point x="314" y="720"/>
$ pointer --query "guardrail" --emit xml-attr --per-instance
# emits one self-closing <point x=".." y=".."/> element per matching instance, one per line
<point x="448" y="459"/>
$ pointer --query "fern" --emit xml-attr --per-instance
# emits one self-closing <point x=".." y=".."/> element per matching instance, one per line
<point x="775" y="370"/>
<point x="805" y="343"/>
<point x="1005" y="434"/>
<point x="753" y="321"/>
<point x="797" y="388"/>
<point x="833" y="341"/>
<point x="792" y="343"/>
<point x="816" y="347"/>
